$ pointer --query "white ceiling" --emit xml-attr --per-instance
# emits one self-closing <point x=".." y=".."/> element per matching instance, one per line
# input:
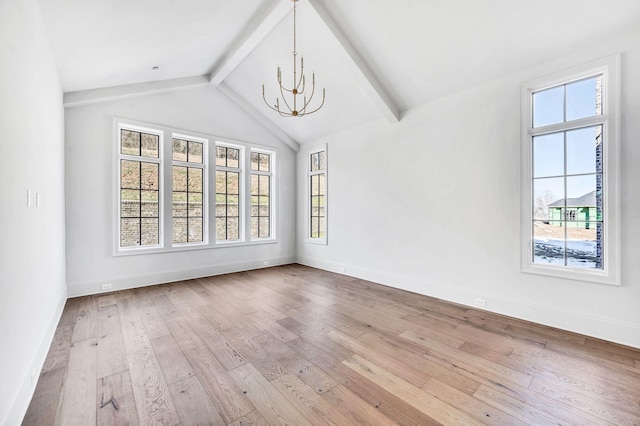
<point x="374" y="57"/>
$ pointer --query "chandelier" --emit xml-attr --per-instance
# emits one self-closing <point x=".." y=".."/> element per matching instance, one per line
<point x="293" y="108"/>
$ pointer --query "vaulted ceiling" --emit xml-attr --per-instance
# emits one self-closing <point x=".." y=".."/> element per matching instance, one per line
<point x="376" y="58"/>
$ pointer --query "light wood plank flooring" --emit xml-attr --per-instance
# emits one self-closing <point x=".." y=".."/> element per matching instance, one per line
<point x="299" y="346"/>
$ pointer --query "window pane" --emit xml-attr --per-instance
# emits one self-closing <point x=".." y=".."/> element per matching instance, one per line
<point x="195" y="179"/>
<point x="232" y="205"/>
<point x="149" y="234"/>
<point x="315" y="185"/>
<point x="233" y="157"/>
<point x="584" y="150"/>
<point x="585" y="192"/>
<point x="149" y="206"/>
<point x="179" y="150"/>
<point x="254" y="227"/>
<point x="255" y="161"/>
<point x="322" y="160"/>
<point x="129" y="142"/>
<point x="150" y="145"/>
<point x="264" y="227"/>
<point x="129" y="203"/>
<point x="129" y="232"/>
<point x="548" y="243"/>
<point x="315" y="227"/>
<point x="233" y="228"/>
<point x="265" y="162"/>
<point x="321" y="184"/>
<point x="195" y="205"/>
<point x="263" y="210"/>
<point x="221" y="156"/>
<point x="254" y="184"/>
<point x="548" y="106"/>
<point x="221" y="182"/>
<point x="180" y="230"/>
<point x="195" y="152"/>
<point x="179" y="178"/>
<point x="149" y="179"/>
<point x="221" y="205"/>
<point x="264" y="185"/>
<point x="584" y="98"/>
<point x="233" y="183"/>
<point x="315" y="161"/>
<point x="548" y="155"/>
<point x="129" y="174"/>
<point x="584" y="245"/>
<point x="221" y="229"/>
<point x="179" y="204"/>
<point x="195" y="229"/>
<point x="548" y="198"/>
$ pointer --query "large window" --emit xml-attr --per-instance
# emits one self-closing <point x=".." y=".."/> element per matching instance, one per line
<point x="228" y="169"/>
<point x="317" y="174"/>
<point x="188" y="190"/>
<point x="261" y="181"/>
<point x="139" y="195"/>
<point x="177" y="190"/>
<point x="570" y="184"/>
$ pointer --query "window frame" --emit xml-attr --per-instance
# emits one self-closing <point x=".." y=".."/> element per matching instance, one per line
<point x="309" y="174"/>
<point x="241" y="170"/>
<point x="119" y="157"/>
<point x="272" y="182"/>
<point x="165" y="196"/>
<point x="609" y="67"/>
<point x="205" y="186"/>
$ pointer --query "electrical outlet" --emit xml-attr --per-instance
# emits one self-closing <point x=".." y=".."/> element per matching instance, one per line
<point x="105" y="286"/>
<point x="481" y="302"/>
<point x="265" y="263"/>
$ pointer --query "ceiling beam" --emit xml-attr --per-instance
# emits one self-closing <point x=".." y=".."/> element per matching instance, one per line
<point x="256" y="31"/>
<point x="258" y="116"/>
<point x="106" y="94"/>
<point x="378" y="93"/>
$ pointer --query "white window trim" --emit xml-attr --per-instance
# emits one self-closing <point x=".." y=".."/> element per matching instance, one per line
<point x="137" y="127"/>
<point x="165" y="236"/>
<point x="242" y="193"/>
<point x="272" y="192"/>
<point x="309" y="173"/>
<point x="205" y="187"/>
<point x="610" y="68"/>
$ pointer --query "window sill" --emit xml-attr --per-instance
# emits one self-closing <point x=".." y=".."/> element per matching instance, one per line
<point x="575" y="274"/>
<point x="199" y="246"/>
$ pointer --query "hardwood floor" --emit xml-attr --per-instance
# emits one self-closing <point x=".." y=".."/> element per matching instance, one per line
<point x="299" y="346"/>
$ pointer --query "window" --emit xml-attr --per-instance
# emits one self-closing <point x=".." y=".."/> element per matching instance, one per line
<point x="167" y="198"/>
<point x="317" y="195"/>
<point x="261" y="194"/>
<point x="570" y="183"/>
<point x="188" y="176"/>
<point x="139" y="194"/>
<point x="228" y="168"/>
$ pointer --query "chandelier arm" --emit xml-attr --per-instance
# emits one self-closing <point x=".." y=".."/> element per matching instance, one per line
<point x="301" y="80"/>
<point x="284" y="99"/>
<point x="319" y="106"/>
<point x="313" y="91"/>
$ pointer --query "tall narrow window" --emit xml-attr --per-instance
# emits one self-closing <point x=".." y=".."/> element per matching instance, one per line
<point x="139" y="171"/>
<point x="317" y="195"/>
<point x="188" y="191"/>
<point x="571" y="185"/>
<point x="228" y="170"/>
<point x="261" y="184"/>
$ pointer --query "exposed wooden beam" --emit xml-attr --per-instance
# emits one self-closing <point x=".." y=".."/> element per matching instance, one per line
<point x="106" y="94"/>
<point x="256" y="31"/>
<point x="258" y="116"/>
<point x="378" y="93"/>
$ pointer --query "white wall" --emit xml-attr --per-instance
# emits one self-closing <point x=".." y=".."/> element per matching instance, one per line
<point x="32" y="265"/>
<point x="89" y="185"/>
<point x="432" y="205"/>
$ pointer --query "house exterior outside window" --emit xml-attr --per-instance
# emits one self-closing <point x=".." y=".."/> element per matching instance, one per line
<point x="569" y="174"/>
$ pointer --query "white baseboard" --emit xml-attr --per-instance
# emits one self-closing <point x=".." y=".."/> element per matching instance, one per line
<point x="142" y="280"/>
<point x="24" y="393"/>
<point x="601" y="328"/>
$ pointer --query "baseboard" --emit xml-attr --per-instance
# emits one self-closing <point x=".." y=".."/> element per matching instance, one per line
<point x="18" y="408"/>
<point x="142" y="280"/>
<point x="601" y="328"/>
